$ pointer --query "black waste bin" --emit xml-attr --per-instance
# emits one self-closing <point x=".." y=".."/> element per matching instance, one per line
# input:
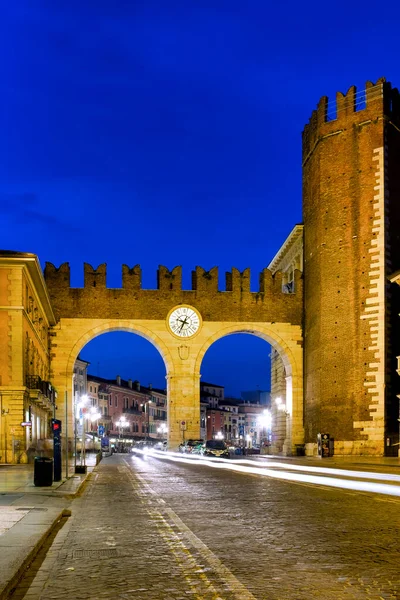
<point x="43" y="471"/>
<point x="300" y="450"/>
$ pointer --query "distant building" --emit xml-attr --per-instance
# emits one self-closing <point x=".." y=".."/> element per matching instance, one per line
<point x="143" y="408"/>
<point x="257" y="397"/>
<point x="80" y="377"/>
<point x="211" y="393"/>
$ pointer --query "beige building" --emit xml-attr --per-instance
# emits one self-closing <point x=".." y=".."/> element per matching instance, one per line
<point x="288" y="258"/>
<point x="28" y="399"/>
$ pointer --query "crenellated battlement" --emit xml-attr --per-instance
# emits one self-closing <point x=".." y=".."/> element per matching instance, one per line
<point x="132" y="278"/>
<point x="95" y="298"/>
<point x="167" y="280"/>
<point x="355" y="107"/>
<point x="205" y="281"/>
<point x="95" y="277"/>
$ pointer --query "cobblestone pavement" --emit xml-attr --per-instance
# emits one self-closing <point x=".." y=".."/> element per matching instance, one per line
<point x="149" y="529"/>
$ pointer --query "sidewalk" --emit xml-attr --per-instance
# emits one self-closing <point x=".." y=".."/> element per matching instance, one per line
<point x="28" y="514"/>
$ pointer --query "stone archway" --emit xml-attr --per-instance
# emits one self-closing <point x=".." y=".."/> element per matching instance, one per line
<point x="290" y="351"/>
<point x="72" y="337"/>
<point x="83" y="313"/>
<point x="182" y="360"/>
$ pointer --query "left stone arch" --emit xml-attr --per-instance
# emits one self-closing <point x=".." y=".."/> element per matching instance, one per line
<point x="71" y="337"/>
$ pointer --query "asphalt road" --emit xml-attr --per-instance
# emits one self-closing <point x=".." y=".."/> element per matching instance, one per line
<point x="148" y="528"/>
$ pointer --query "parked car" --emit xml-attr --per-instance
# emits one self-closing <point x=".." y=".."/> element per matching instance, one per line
<point x="215" y="448"/>
<point x="253" y="450"/>
<point x="191" y="446"/>
<point x="160" y="445"/>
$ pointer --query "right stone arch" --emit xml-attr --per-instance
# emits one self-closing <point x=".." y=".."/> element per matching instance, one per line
<point x="286" y="340"/>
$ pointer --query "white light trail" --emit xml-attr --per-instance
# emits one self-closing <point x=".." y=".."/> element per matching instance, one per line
<point x="247" y="467"/>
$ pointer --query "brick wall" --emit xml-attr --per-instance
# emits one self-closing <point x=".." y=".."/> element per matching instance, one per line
<point x="235" y="303"/>
<point x="346" y="263"/>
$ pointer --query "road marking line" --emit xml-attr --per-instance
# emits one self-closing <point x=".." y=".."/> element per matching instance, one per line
<point x="236" y="587"/>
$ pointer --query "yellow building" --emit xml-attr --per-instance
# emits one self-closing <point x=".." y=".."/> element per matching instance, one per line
<point x="27" y="397"/>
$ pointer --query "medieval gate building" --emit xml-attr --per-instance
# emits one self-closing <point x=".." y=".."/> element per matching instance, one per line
<point x="348" y="316"/>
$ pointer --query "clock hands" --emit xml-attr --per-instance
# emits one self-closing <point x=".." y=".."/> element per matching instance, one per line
<point x="184" y="322"/>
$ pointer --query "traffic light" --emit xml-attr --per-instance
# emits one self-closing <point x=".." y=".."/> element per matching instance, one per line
<point x="56" y="426"/>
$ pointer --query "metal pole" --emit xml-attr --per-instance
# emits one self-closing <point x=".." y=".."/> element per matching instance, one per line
<point x="66" y="434"/>
<point x="83" y="448"/>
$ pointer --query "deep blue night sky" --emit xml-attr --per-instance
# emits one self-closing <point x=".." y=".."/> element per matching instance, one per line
<point x="170" y="133"/>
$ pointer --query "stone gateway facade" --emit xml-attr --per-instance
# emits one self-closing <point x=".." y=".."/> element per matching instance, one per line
<point x="341" y="329"/>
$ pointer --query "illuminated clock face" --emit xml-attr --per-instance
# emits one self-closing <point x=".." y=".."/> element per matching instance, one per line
<point x="184" y="321"/>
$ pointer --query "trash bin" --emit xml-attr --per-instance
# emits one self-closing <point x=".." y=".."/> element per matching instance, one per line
<point x="43" y="471"/>
<point x="300" y="450"/>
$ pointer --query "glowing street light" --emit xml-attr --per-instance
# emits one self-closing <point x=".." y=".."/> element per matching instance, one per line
<point x="79" y="418"/>
<point x="265" y="422"/>
<point x="162" y="430"/>
<point x="146" y="416"/>
<point x="121" y="424"/>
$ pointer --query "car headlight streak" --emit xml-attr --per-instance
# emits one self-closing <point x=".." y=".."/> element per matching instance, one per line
<point x="265" y="470"/>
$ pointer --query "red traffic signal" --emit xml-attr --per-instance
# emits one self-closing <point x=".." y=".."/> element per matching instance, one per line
<point x="56" y="425"/>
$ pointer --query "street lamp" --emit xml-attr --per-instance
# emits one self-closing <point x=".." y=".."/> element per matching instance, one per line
<point x="146" y="417"/>
<point x="121" y="424"/>
<point x="162" y="430"/>
<point x="80" y="410"/>
<point x="265" y="422"/>
<point x="93" y="416"/>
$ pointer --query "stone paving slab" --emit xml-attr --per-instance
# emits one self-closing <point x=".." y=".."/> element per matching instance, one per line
<point x="28" y="517"/>
<point x="20" y="543"/>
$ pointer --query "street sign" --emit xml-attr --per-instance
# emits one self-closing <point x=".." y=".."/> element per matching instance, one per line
<point x="26" y="424"/>
<point x="100" y="430"/>
<point x="105" y="442"/>
<point x="183" y="425"/>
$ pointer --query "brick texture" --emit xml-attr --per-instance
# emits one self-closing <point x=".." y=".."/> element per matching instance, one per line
<point x="348" y="196"/>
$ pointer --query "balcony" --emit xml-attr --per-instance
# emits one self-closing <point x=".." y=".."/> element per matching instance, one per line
<point x="41" y="392"/>
<point x="132" y="411"/>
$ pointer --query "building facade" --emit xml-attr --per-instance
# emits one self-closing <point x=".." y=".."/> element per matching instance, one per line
<point x="28" y="399"/>
<point x="127" y="409"/>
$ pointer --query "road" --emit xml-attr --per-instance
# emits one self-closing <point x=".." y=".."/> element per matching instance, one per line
<point x="148" y="528"/>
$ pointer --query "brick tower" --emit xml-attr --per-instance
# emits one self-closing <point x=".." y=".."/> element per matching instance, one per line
<point x="351" y="213"/>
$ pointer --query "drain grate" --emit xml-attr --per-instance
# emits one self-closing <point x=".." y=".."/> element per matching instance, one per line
<point x="35" y="508"/>
<point x="105" y="553"/>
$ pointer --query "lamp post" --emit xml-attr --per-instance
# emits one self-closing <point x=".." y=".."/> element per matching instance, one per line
<point x="121" y="424"/>
<point x="80" y="412"/>
<point x="162" y="430"/>
<point x="94" y="415"/>
<point x="265" y="422"/>
<point x="146" y="417"/>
